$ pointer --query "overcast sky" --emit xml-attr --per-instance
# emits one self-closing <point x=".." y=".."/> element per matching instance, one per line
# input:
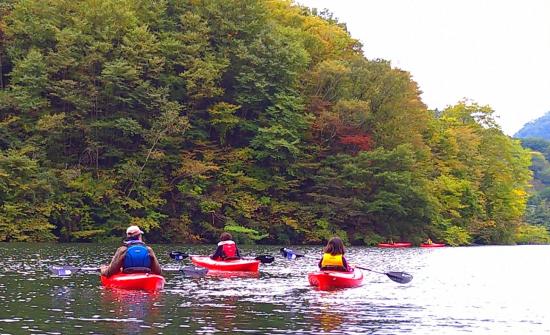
<point x="493" y="52"/>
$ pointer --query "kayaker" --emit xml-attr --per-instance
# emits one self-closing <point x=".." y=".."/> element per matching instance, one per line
<point x="227" y="249"/>
<point x="133" y="256"/>
<point x="429" y="241"/>
<point x="333" y="256"/>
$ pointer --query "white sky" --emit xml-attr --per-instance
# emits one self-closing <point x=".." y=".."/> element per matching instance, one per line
<point x="493" y="52"/>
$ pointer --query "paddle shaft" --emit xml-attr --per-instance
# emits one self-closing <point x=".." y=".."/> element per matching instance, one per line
<point x="398" y="277"/>
<point x="264" y="259"/>
<point x="69" y="270"/>
<point x="362" y="268"/>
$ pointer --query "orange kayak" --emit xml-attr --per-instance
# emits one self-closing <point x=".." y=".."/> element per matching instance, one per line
<point x="134" y="281"/>
<point x="329" y="280"/>
<point x="251" y="265"/>
<point x="432" y="245"/>
<point x="395" y="245"/>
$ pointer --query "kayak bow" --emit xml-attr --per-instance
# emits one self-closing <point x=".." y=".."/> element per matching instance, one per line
<point x="395" y="245"/>
<point x="432" y="245"/>
<point x="329" y="280"/>
<point x="251" y="265"/>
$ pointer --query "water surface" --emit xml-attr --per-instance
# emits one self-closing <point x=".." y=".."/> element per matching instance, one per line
<point x="474" y="290"/>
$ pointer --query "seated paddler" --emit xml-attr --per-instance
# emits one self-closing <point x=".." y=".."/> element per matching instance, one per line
<point x="333" y="256"/>
<point x="227" y="249"/>
<point x="133" y="256"/>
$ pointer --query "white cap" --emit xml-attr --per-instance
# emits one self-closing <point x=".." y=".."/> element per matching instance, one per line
<point x="133" y="231"/>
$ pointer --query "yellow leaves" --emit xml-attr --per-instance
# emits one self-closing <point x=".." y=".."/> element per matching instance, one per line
<point x="328" y="80"/>
<point x="527" y="234"/>
<point x="145" y="224"/>
<point x="51" y="122"/>
<point x="132" y="204"/>
<point x="245" y="203"/>
<point x="157" y="155"/>
<point x="195" y="168"/>
<point x="9" y="120"/>
<point x="519" y="193"/>
<point x="322" y="38"/>
<point x="293" y="223"/>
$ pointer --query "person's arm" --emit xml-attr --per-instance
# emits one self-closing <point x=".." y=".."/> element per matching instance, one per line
<point x="155" y="265"/>
<point x="238" y="252"/>
<point x="345" y="263"/>
<point x="219" y="253"/>
<point x="116" y="263"/>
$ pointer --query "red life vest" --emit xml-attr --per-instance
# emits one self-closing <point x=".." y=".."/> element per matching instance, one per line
<point x="229" y="249"/>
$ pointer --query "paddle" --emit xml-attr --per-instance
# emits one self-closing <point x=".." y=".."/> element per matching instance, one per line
<point x="67" y="270"/>
<point x="398" y="277"/>
<point x="193" y="271"/>
<point x="264" y="259"/>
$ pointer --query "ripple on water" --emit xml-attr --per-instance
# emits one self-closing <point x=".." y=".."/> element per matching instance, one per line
<point x="486" y="290"/>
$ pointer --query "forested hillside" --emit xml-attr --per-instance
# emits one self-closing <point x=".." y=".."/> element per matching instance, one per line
<point x="259" y="117"/>
<point x="538" y="205"/>
<point x="539" y="128"/>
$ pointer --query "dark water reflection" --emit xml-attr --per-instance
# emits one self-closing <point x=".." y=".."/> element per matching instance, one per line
<point x="481" y="290"/>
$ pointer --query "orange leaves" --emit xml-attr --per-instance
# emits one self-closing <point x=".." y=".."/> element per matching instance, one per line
<point x="357" y="142"/>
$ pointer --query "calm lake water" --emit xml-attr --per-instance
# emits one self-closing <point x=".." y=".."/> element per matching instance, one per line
<point x="474" y="290"/>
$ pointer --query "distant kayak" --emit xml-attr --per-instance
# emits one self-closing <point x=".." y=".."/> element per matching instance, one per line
<point x="251" y="265"/>
<point x="395" y="245"/>
<point x="134" y="281"/>
<point x="432" y="245"/>
<point x="329" y="280"/>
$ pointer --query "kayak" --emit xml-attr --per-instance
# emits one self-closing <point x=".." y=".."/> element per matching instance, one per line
<point x="395" y="245"/>
<point x="329" y="280"/>
<point x="134" y="281"/>
<point x="251" y="265"/>
<point x="432" y="245"/>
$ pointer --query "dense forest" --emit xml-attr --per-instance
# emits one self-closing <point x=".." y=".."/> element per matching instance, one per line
<point x="258" y="117"/>
<point x="538" y="204"/>
<point x="535" y="136"/>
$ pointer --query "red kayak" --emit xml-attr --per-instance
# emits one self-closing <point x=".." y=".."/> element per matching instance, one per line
<point x="251" y="265"/>
<point x="395" y="245"/>
<point x="134" y="281"/>
<point x="329" y="280"/>
<point x="432" y="245"/>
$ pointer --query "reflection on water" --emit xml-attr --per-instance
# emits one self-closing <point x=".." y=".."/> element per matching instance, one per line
<point x="477" y="290"/>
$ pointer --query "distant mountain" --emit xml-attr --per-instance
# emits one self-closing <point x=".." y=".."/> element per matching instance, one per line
<point x="537" y="128"/>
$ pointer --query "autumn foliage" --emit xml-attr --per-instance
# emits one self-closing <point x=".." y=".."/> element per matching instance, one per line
<point x="263" y="118"/>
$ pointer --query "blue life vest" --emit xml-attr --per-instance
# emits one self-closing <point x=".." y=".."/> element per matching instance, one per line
<point x="137" y="257"/>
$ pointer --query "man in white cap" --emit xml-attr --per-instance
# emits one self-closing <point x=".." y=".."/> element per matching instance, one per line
<point x="133" y="256"/>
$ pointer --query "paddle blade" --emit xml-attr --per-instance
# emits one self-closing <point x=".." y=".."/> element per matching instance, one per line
<point x="289" y="254"/>
<point x="193" y="271"/>
<point x="399" y="277"/>
<point x="265" y="259"/>
<point x="178" y="256"/>
<point x="63" y="271"/>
